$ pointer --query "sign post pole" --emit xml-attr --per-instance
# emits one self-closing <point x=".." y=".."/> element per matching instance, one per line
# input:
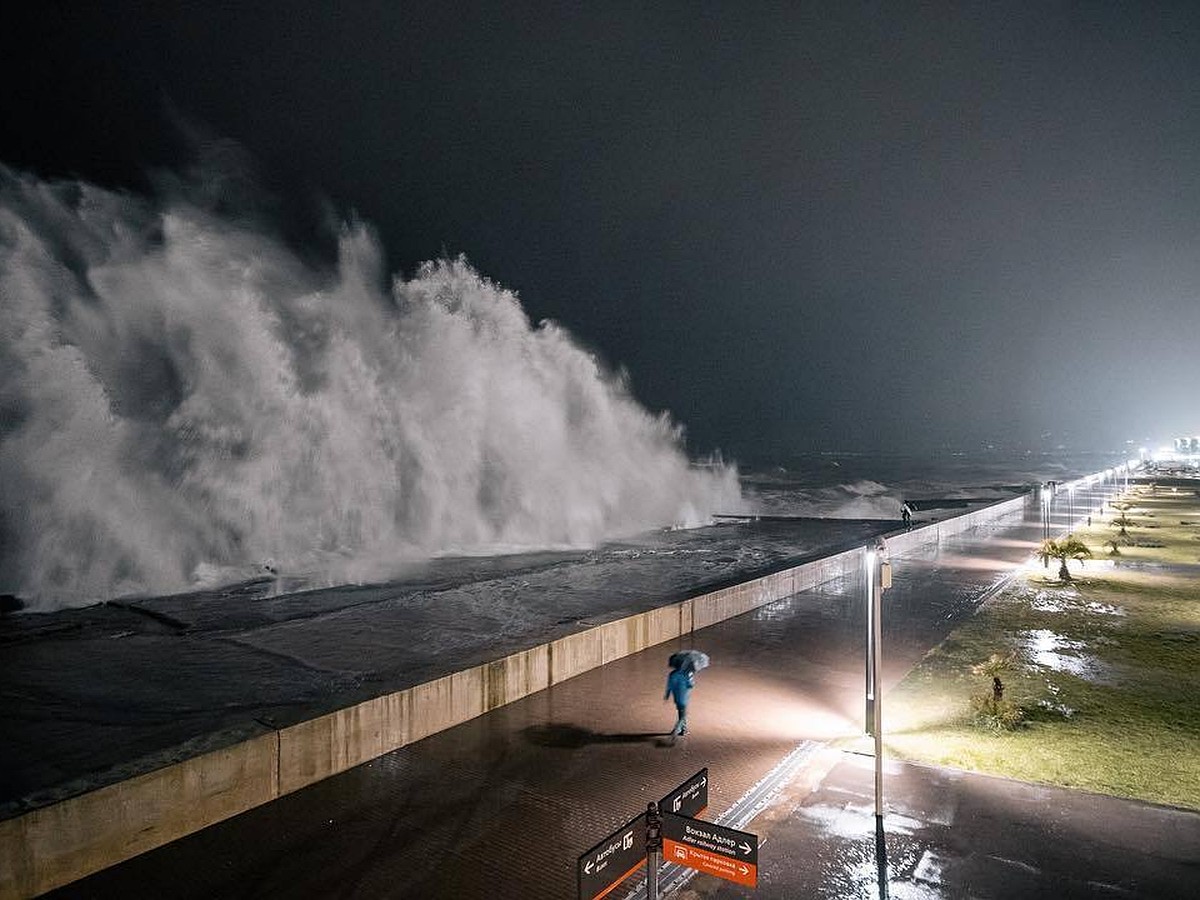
<point x="653" y="850"/>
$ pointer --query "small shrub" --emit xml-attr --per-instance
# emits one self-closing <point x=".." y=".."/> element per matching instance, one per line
<point x="995" y="715"/>
<point x="996" y="665"/>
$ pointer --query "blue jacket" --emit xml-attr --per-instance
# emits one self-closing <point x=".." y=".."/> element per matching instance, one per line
<point x="679" y="686"/>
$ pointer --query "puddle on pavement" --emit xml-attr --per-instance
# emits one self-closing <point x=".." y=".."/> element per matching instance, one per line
<point x="1054" y="651"/>
<point x="850" y="870"/>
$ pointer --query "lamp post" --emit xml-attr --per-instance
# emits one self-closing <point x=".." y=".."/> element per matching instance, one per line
<point x="1047" y="499"/>
<point x="879" y="579"/>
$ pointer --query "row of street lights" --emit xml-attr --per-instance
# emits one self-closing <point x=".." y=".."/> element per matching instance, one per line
<point x="879" y="579"/>
<point x="1049" y="490"/>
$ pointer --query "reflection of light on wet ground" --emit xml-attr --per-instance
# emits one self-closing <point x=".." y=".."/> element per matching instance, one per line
<point x="907" y="890"/>
<point x="818" y="724"/>
<point x="1053" y="601"/>
<point x="849" y="821"/>
<point x="1061" y="708"/>
<point x="1070" y="600"/>
<point x="850" y="866"/>
<point x="778" y="610"/>
<point x="1045" y="646"/>
<point x="1104" y="609"/>
<point x="1051" y="650"/>
<point x="976" y="563"/>
<point x="929" y="868"/>
<point x="854" y="820"/>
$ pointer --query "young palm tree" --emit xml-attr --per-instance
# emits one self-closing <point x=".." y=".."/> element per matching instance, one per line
<point x="1069" y="547"/>
<point x="1122" y="521"/>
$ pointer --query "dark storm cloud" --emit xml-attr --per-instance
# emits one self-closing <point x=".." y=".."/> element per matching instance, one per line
<point x="795" y="225"/>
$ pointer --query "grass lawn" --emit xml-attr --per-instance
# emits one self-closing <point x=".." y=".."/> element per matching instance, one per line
<point x="1107" y="667"/>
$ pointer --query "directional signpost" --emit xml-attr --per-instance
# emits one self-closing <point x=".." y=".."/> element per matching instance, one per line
<point x="711" y="848"/>
<point x="671" y="827"/>
<point x="613" y="859"/>
<point x="690" y="798"/>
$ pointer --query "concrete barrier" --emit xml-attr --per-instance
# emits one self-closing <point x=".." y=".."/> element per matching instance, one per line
<point x="57" y="844"/>
<point x="934" y="532"/>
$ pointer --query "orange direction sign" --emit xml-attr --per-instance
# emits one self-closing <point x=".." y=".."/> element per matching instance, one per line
<point x="612" y="860"/>
<point x="711" y="848"/>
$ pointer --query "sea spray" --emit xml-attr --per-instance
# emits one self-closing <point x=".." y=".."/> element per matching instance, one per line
<point x="184" y="399"/>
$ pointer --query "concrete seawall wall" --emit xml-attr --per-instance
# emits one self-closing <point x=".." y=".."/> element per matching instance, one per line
<point x="934" y="532"/>
<point x="58" y="844"/>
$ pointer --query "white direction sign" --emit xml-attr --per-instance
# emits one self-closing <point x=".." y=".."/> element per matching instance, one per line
<point x="612" y="860"/>
<point x="690" y="798"/>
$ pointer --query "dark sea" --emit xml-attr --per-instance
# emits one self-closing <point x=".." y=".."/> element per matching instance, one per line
<point x="841" y="484"/>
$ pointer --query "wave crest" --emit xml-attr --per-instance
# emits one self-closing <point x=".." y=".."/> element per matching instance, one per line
<point x="185" y="397"/>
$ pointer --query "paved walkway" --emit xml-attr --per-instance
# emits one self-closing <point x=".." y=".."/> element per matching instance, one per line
<point x="948" y="833"/>
<point x="502" y="806"/>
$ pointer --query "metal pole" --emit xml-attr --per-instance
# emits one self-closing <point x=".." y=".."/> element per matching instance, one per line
<point x="869" y="715"/>
<point x="877" y="723"/>
<point x="653" y="850"/>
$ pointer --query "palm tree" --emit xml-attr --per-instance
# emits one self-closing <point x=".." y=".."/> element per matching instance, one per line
<point x="1069" y="547"/>
<point x="1122" y="521"/>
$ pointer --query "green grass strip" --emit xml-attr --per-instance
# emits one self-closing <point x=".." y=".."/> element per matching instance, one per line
<point x="1106" y="667"/>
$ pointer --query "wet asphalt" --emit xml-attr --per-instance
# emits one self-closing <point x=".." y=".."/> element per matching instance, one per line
<point x="502" y="806"/>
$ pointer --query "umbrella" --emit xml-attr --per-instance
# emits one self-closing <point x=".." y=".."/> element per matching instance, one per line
<point x="688" y="660"/>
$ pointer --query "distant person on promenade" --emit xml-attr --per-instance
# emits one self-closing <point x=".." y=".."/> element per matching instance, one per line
<point x="906" y="514"/>
<point x="679" y="687"/>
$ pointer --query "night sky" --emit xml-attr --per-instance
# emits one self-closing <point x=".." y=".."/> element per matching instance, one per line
<point x="796" y="226"/>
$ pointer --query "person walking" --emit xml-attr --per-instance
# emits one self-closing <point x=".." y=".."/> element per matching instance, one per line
<point x="679" y="686"/>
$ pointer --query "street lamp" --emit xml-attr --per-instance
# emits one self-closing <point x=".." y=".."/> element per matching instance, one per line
<point x="879" y="579"/>
<point x="1047" y="500"/>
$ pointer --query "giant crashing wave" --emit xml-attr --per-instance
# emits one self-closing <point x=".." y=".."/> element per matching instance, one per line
<point x="183" y="398"/>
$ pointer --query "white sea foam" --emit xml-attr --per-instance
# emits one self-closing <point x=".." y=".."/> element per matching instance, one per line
<point x="184" y="398"/>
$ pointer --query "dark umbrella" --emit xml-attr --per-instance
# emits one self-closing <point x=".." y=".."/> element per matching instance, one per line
<point x="688" y="660"/>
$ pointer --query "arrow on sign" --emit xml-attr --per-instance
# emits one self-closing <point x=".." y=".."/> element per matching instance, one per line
<point x="744" y="847"/>
<point x="588" y="867"/>
<point x="742" y="868"/>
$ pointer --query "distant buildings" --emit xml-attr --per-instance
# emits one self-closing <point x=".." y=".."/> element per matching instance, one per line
<point x="1186" y="445"/>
